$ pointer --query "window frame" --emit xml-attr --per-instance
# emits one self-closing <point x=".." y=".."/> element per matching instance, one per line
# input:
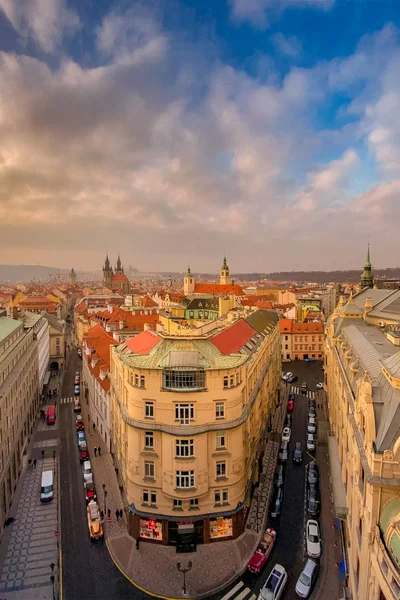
<point x="149" y="404"/>
<point x="147" y="436"/>
<point x="182" y="476"/>
<point x="184" y="448"/>
<point x="218" y="405"/>
<point x="220" y="465"/>
<point x="149" y="465"/>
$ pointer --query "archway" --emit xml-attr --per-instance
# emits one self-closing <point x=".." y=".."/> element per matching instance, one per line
<point x="54" y="366"/>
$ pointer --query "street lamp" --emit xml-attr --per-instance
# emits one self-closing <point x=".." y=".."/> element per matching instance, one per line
<point x="184" y="571"/>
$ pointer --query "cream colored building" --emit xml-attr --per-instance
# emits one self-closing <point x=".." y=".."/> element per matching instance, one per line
<point x="57" y="341"/>
<point x="188" y="412"/>
<point x="363" y="385"/>
<point x="19" y="402"/>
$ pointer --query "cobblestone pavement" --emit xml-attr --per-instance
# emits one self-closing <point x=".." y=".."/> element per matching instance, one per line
<point x="32" y="546"/>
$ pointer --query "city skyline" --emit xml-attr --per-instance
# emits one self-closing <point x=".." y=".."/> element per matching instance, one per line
<point x="266" y="131"/>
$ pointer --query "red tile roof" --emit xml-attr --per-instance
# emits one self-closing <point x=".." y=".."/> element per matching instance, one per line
<point x="101" y="341"/>
<point x="148" y="302"/>
<point x="232" y="339"/>
<point x="290" y="326"/>
<point x="121" y="277"/>
<point x="143" y="343"/>
<point x="217" y="289"/>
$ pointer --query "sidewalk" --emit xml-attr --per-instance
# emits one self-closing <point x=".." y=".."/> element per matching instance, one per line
<point x="153" y="568"/>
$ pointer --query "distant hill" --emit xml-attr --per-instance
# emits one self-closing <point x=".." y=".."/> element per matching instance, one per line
<point x="24" y="273"/>
<point x="328" y="276"/>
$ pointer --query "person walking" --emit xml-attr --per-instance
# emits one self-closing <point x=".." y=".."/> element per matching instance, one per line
<point x="109" y="512"/>
<point x="99" y="450"/>
<point x="34" y="463"/>
<point x="94" y="427"/>
<point x="137" y="543"/>
<point x="117" y="514"/>
<point x="121" y="514"/>
<point x="30" y="463"/>
<point x="95" y="451"/>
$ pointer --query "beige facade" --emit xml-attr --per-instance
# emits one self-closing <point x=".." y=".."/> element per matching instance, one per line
<point x="363" y="385"/>
<point x="187" y="419"/>
<point x="57" y="340"/>
<point x="19" y="402"/>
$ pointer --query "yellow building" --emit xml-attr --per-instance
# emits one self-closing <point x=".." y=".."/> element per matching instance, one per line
<point x="363" y="384"/>
<point x="188" y="412"/>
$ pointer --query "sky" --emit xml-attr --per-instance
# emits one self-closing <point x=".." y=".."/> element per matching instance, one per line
<point x="176" y="132"/>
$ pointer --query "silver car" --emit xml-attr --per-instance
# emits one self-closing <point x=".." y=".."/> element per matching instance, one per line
<point x="307" y="579"/>
<point x="311" y="442"/>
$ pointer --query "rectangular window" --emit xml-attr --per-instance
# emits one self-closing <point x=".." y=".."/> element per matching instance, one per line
<point x="220" y="440"/>
<point x="194" y="503"/>
<point x="145" y="497"/>
<point x="217" y="497"/>
<point x="137" y="380"/>
<point x="220" y="410"/>
<point x="226" y="385"/>
<point x="184" y="479"/>
<point x="149" y="439"/>
<point x="153" y="498"/>
<point x="142" y="381"/>
<point x="177" y="503"/>
<point x="221" y="469"/>
<point x="184" y="413"/>
<point x="237" y="378"/>
<point x="149" y="469"/>
<point x="231" y="381"/>
<point x="224" y="496"/>
<point x="184" y="448"/>
<point x="184" y="379"/>
<point x="149" y="410"/>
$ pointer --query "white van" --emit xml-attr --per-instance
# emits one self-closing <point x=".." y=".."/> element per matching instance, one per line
<point x="46" y="489"/>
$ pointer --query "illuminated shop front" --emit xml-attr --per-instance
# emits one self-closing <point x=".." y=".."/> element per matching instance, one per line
<point x="151" y="529"/>
<point x="221" y="528"/>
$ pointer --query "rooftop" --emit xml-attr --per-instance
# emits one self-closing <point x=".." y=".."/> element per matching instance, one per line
<point x="7" y="327"/>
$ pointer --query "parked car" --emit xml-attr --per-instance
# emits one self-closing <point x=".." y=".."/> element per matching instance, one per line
<point x="288" y="421"/>
<point x="313" y="539"/>
<point x="304" y="388"/>
<point x="81" y="440"/>
<point x="312" y="425"/>
<point x="286" y="433"/>
<point x="90" y="492"/>
<point x="79" y="422"/>
<point x="84" y="455"/>
<point x="87" y="471"/>
<point x="298" y="453"/>
<point x="277" y="504"/>
<point x="287" y="376"/>
<point x="274" y="585"/>
<point x="312" y="473"/>
<point x="313" y="501"/>
<point x="320" y="386"/>
<point x="292" y="379"/>
<point x="283" y="452"/>
<point x="290" y="405"/>
<point x="79" y="353"/>
<point x="307" y="579"/>
<point x="77" y="390"/>
<point x="279" y="475"/>
<point x="292" y="396"/>
<point x="261" y="554"/>
<point x="311" y="404"/>
<point x="311" y="411"/>
<point x="311" y="442"/>
<point x="309" y="359"/>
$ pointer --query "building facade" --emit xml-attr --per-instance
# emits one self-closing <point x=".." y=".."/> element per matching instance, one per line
<point x="19" y="403"/>
<point x="301" y="340"/>
<point x="115" y="280"/>
<point x="41" y="330"/>
<point x="188" y="414"/>
<point x="362" y="372"/>
<point x="57" y="341"/>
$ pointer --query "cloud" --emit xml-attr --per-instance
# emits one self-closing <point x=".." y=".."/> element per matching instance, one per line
<point x="289" y="46"/>
<point x="259" y="12"/>
<point x="45" y="21"/>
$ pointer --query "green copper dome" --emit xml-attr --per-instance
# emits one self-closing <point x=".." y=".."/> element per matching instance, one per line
<point x="389" y="523"/>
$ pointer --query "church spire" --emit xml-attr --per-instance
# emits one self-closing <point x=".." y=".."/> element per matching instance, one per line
<point x="119" y="266"/>
<point x="367" y="277"/>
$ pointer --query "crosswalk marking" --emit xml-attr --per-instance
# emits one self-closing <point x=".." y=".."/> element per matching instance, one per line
<point x="243" y="595"/>
<point x="309" y="394"/>
<point x="233" y="591"/>
<point x="239" y="592"/>
<point x="66" y="400"/>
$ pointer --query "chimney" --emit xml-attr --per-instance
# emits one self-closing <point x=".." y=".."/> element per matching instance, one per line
<point x="368" y="305"/>
<point x="121" y="324"/>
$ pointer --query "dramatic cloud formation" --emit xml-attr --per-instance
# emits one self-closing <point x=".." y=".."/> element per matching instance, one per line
<point x="171" y="160"/>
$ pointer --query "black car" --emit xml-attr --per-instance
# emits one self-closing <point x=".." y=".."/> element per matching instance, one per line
<point x="298" y="453"/>
<point x="311" y="403"/>
<point x="312" y="473"/>
<point x="288" y="422"/>
<point x="277" y="504"/>
<point x="304" y="388"/>
<point x="313" y="500"/>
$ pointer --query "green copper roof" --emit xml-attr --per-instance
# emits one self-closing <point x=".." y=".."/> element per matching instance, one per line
<point x="390" y="510"/>
<point x="391" y="535"/>
<point x="7" y="326"/>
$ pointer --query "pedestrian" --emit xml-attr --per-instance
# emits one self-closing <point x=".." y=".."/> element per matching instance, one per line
<point x="30" y="463"/>
<point x="94" y="427"/>
<point x="109" y="512"/>
<point x="137" y="543"/>
<point x="95" y="451"/>
<point x="42" y="456"/>
<point x="101" y="515"/>
<point x="34" y="463"/>
<point x="121" y="513"/>
<point x="117" y="514"/>
<point x="99" y="450"/>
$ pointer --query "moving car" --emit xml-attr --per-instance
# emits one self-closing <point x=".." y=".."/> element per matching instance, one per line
<point x="309" y="359"/>
<point x="313" y="539"/>
<point x="311" y="442"/>
<point x="307" y="579"/>
<point x="320" y="386"/>
<point x="312" y="425"/>
<point x="87" y="471"/>
<point x="304" y="388"/>
<point x="312" y="473"/>
<point x="313" y="502"/>
<point x="80" y="436"/>
<point x="277" y="504"/>
<point x="298" y="453"/>
<point x="290" y="405"/>
<point x="51" y="415"/>
<point x="263" y="551"/>
<point x="274" y="585"/>
<point x="286" y="433"/>
<point x="283" y="452"/>
<point x="90" y="492"/>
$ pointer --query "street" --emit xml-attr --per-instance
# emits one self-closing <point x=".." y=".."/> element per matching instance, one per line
<point x="289" y="549"/>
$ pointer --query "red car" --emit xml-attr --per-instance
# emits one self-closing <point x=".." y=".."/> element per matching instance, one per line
<point x="90" y="492"/>
<point x="263" y="551"/>
<point x="79" y="423"/>
<point x="84" y="455"/>
<point x="290" y="405"/>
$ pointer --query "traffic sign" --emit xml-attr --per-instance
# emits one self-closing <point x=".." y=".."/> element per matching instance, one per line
<point x="57" y="534"/>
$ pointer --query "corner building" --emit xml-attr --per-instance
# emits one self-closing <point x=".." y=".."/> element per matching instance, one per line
<point x="363" y="384"/>
<point x="189" y="413"/>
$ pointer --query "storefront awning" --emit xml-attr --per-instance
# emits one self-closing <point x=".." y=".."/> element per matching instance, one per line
<point x="46" y="378"/>
<point x="339" y="492"/>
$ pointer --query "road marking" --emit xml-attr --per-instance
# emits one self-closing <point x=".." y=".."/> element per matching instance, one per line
<point x="233" y="591"/>
<point x="243" y="594"/>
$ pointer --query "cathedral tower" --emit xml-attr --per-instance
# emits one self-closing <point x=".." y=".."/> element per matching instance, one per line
<point x="107" y="273"/>
<point x="367" y="277"/>
<point x="224" y="276"/>
<point x="188" y="283"/>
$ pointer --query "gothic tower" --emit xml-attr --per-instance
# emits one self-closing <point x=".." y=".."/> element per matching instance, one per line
<point x="107" y="273"/>
<point x="188" y="283"/>
<point x="224" y="276"/>
<point x="367" y="277"/>
<point x="72" y="276"/>
<point x="119" y="269"/>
